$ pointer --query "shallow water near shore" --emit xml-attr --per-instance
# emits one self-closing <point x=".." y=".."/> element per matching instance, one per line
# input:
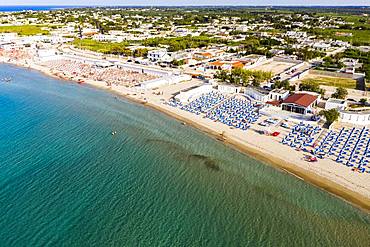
<point x="65" y="180"/>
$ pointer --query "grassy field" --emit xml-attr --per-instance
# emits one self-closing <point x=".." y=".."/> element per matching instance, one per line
<point x="103" y="47"/>
<point x="357" y="20"/>
<point x="23" y="30"/>
<point x="360" y="37"/>
<point x="333" y="81"/>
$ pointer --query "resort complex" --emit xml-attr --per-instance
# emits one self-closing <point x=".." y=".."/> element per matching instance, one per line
<point x="288" y="85"/>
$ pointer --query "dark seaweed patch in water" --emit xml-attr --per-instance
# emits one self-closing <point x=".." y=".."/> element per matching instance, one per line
<point x="168" y="145"/>
<point x="207" y="161"/>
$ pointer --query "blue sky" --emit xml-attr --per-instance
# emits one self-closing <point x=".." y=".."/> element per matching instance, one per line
<point x="185" y="2"/>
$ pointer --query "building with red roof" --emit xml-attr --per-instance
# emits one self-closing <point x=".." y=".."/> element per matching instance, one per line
<point x="302" y="103"/>
<point x="225" y="65"/>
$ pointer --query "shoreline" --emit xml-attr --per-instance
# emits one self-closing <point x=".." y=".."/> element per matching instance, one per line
<point x="324" y="183"/>
<point x="339" y="191"/>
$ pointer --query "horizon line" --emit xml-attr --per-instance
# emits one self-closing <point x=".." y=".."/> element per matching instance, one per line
<point x="185" y="5"/>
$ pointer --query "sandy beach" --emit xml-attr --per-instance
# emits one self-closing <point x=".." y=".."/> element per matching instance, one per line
<point x="326" y="174"/>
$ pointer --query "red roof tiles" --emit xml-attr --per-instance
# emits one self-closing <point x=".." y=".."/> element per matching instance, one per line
<point x="301" y="99"/>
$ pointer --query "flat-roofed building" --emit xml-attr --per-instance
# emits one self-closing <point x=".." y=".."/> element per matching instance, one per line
<point x="338" y="104"/>
<point x="278" y="95"/>
<point x="257" y="93"/>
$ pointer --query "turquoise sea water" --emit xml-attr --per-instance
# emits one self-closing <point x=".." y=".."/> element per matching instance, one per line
<point x="66" y="181"/>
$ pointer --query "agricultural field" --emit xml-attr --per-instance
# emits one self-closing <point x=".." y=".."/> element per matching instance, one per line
<point x="25" y="30"/>
<point x="331" y="81"/>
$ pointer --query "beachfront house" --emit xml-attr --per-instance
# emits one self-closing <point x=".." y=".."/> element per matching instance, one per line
<point x="278" y="94"/>
<point x="302" y="103"/>
<point x="335" y="104"/>
<point x="257" y="93"/>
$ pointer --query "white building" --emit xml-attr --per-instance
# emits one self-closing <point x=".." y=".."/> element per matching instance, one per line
<point x="228" y="89"/>
<point x="300" y="102"/>
<point x="349" y="62"/>
<point x="321" y="46"/>
<point x="335" y="104"/>
<point x="181" y="32"/>
<point x="158" y="55"/>
<point x="243" y="28"/>
<point x="257" y="93"/>
<point x="278" y="95"/>
<point x="294" y="34"/>
<point x="190" y="95"/>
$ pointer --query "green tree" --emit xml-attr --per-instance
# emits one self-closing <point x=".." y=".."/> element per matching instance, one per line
<point x="340" y="93"/>
<point x="281" y="84"/>
<point x="331" y="115"/>
<point x="222" y="75"/>
<point x="178" y="62"/>
<point x="140" y="52"/>
<point x="256" y="83"/>
<point x="363" y="101"/>
<point x="311" y="86"/>
<point x="242" y="76"/>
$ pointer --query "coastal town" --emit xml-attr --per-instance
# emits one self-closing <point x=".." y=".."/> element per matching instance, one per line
<point x="289" y="86"/>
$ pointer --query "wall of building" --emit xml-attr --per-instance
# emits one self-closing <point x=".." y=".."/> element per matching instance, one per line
<point x="356" y="76"/>
<point x="163" y="81"/>
<point x="355" y="117"/>
<point x="187" y="96"/>
<point x="256" y="95"/>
